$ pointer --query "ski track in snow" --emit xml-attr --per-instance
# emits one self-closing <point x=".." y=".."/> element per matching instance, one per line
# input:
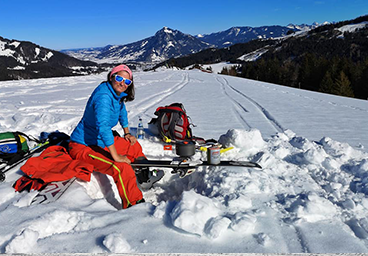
<point x="238" y="108"/>
<point x="138" y="79"/>
<point x="147" y="103"/>
<point x="276" y="125"/>
<point x="314" y="98"/>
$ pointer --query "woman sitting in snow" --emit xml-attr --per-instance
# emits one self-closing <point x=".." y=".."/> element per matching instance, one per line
<point x="93" y="140"/>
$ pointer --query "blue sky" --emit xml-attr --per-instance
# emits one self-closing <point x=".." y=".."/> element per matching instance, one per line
<point x="66" y="24"/>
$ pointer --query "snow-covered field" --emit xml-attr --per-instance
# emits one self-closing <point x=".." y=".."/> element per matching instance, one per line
<point x="310" y="195"/>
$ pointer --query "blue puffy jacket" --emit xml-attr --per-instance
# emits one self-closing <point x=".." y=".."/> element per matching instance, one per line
<point x="103" y="111"/>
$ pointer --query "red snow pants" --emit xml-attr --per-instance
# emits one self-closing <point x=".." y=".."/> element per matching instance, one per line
<point x="122" y="173"/>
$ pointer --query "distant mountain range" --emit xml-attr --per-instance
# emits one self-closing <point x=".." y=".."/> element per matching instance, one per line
<point x="332" y="58"/>
<point x="168" y="43"/>
<point x="22" y="60"/>
<point x="236" y="35"/>
<point x="327" y="40"/>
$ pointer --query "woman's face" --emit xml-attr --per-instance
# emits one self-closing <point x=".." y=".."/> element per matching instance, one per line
<point x="120" y="87"/>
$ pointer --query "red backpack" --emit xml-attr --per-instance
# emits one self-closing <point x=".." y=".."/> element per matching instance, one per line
<point x="173" y="123"/>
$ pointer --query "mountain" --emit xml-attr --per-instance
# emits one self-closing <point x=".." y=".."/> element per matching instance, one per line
<point x="213" y="55"/>
<point x="165" y="44"/>
<point x="344" y="39"/>
<point x="168" y="43"/>
<point x="236" y="35"/>
<point x="23" y="60"/>
<point x="332" y="58"/>
<point x="306" y="27"/>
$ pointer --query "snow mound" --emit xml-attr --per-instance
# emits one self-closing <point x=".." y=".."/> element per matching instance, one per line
<point x="56" y="222"/>
<point x="248" y="141"/>
<point x="215" y="227"/>
<point x="314" y="208"/>
<point x="23" y="243"/>
<point x="193" y="211"/>
<point x="116" y="243"/>
<point x="219" y="201"/>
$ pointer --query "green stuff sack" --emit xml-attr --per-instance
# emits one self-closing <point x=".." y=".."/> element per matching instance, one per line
<point x="13" y="146"/>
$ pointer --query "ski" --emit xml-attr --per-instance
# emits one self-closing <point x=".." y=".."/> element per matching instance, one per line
<point x="190" y="164"/>
<point x="186" y="167"/>
<point x="52" y="192"/>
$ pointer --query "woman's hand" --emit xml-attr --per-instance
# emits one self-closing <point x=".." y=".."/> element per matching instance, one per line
<point x="130" y="138"/>
<point x="117" y="157"/>
<point x="122" y="159"/>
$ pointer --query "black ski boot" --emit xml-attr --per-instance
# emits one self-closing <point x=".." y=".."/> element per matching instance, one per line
<point x="146" y="178"/>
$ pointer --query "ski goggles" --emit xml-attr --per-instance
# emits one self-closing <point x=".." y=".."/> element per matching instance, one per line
<point x="119" y="79"/>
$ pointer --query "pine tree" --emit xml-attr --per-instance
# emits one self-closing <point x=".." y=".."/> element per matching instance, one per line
<point x="327" y="84"/>
<point x="361" y="86"/>
<point x="342" y="86"/>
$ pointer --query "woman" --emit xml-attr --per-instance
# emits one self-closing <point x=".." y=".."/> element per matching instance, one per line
<point x="93" y="141"/>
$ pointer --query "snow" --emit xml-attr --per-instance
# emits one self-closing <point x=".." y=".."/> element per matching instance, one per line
<point x="17" y="68"/>
<point x="167" y="30"/>
<point x="217" y="68"/>
<point x="310" y="196"/>
<point x="253" y="56"/>
<point x="5" y="52"/>
<point x="352" y="27"/>
<point x="15" y="44"/>
<point x="169" y="44"/>
<point x="144" y="43"/>
<point x="37" y="50"/>
<point x="11" y="53"/>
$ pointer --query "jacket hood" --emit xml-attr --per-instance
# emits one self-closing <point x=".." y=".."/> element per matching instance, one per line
<point x="119" y="97"/>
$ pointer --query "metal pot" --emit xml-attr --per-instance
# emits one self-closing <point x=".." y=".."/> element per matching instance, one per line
<point x="185" y="148"/>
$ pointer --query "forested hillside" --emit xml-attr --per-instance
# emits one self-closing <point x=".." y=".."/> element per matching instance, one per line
<point x="332" y="59"/>
<point x="327" y="60"/>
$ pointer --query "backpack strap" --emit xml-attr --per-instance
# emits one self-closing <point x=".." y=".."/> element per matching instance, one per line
<point x="173" y="119"/>
<point x="160" y="125"/>
<point x="29" y="137"/>
<point x="17" y="139"/>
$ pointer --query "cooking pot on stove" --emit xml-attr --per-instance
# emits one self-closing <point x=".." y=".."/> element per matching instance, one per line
<point x="185" y="148"/>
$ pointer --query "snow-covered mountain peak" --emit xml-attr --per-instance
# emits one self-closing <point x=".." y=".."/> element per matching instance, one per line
<point x="244" y="34"/>
<point x="22" y="59"/>
<point x="305" y="27"/>
<point x="165" y="44"/>
<point x="166" y="30"/>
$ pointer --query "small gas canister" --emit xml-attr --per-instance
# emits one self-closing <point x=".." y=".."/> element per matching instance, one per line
<point x="213" y="155"/>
